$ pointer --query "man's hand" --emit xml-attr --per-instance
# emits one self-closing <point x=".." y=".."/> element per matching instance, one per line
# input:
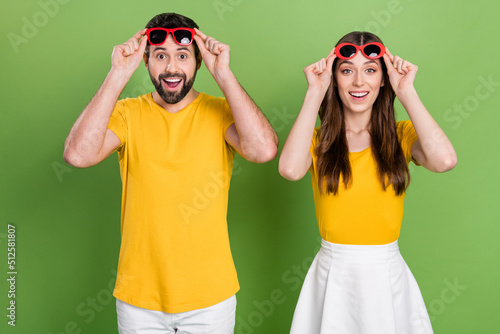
<point x="127" y="56"/>
<point x="215" y="55"/>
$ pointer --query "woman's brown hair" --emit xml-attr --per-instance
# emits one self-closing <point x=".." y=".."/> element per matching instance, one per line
<point x="332" y="150"/>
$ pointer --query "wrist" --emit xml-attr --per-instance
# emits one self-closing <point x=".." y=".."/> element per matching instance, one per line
<point x="316" y="92"/>
<point x="407" y="95"/>
<point x="119" y="76"/>
<point x="224" y="77"/>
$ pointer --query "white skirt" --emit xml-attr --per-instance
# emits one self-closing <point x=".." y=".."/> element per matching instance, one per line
<point x="360" y="289"/>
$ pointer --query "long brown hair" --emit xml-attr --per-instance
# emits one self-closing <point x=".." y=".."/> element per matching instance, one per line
<point x="332" y="150"/>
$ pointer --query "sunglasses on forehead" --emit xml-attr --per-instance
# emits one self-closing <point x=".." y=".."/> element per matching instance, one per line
<point x="182" y="36"/>
<point x="372" y="50"/>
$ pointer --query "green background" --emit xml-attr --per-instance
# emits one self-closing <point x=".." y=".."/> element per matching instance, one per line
<point x="68" y="220"/>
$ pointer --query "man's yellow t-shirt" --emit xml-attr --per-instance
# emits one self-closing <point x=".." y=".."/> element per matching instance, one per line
<point x="175" y="170"/>
<point x="362" y="214"/>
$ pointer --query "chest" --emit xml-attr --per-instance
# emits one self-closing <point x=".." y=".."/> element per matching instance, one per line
<point x="357" y="142"/>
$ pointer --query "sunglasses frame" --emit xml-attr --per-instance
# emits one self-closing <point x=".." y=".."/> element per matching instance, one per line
<point x="360" y="48"/>
<point x="173" y="35"/>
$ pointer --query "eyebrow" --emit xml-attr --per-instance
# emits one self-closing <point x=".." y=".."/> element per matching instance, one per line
<point x="178" y="49"/>
<point x="351" y="63"/>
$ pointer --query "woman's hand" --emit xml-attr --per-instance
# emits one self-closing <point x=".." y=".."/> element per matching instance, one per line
<point x="401" y="73"/>
<point x="319" y="74"/>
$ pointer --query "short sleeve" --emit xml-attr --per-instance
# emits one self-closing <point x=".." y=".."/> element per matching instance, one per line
<point x="227" y="115"/>
<point x="314" y="143"/>
<point x="407" y="137"/>
<point x="118" y="122"/>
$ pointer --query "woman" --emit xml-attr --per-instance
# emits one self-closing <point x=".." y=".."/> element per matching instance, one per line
<point x="358" y="159"/>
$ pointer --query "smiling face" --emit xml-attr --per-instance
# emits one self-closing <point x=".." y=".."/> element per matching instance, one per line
<point x="358" y="82"/>
<point x="172" y="68"/>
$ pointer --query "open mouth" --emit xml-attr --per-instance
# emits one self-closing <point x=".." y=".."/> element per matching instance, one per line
<point x="358" y="95"/>
<point x="172" y="83"/>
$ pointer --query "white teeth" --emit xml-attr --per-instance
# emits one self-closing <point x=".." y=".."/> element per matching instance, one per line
<point x="359" y="94"/>
<point x="172" y="80"/>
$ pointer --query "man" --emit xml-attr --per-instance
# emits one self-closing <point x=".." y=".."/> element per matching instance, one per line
<point x="176" y="149"/>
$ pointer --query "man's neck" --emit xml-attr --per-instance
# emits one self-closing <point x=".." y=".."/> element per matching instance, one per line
<point x="174" y="108"/>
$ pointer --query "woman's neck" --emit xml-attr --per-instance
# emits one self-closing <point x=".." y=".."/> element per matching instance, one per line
<point x="357" y="121"/>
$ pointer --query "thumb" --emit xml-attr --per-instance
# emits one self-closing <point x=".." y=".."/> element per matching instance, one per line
<point x="143" y="44"/>
<point x="201" y="45"/>
<point x="388" y="63"/>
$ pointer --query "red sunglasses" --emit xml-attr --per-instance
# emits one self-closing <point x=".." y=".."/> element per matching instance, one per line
<point x="182" y="36"/>
<point x="372" y="50"/>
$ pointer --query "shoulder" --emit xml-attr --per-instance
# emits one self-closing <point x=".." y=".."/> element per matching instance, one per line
<point x="213" y="101"/>
<point x="404" y="129"/>
<point x="315" y="137"/>
<point x="129" y="103"/>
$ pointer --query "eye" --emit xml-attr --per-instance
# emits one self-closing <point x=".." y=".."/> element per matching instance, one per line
<point x="346" y="71"/>
<point x="183" y="56"/>
<point x="161" y="56"/>
<point x="371" y="70"/>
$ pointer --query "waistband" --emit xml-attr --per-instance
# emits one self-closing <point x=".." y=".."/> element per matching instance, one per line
<point x="360" y="253"/>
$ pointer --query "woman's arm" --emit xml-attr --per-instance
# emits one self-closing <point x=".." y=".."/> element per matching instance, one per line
<point x="295" y="158"/>
<point x="433" y="149"/>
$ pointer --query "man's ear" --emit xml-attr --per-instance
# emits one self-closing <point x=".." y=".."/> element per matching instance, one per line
<point x="146" y="59"/>
<point x="198" y="61"/>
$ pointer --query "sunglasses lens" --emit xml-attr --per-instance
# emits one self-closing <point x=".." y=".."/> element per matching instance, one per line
<point x="347" y="51"/>
<point x="183" y="37"/>
<point x="372" y="50"/>
<point x="157" y="36"/>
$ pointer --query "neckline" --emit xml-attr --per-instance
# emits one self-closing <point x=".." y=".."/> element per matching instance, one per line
<point x="356" y="152"/>
<point x="194" y="102"/>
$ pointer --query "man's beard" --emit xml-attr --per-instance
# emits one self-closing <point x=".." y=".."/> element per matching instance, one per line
<point x="172" y="97"/>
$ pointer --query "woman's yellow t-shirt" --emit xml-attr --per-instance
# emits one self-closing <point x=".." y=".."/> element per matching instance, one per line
<point x="175" y="170"/>
<point x="362" y="214"/>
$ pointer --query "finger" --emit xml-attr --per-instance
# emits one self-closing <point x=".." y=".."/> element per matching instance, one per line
<point x="315" y="68"/>
<point x="201" y="44"/>
<point x="404" y="66"/>
<point x="310" y="68"/>
<point x="388" y="62"/>
<point x="139" y="34"/>
<point x="321" y="65"/>
<point x="133" y="45"/>
<point x="329" y="61"/>
<point x="395" y="62"/>
<point x="207" y="43"/>
<point x="128" y="48"/>
<point x="331" y="52"/>
<point x="400" y="65"/>
<point x="143" y="44"/>
<point x="214" y="45"/>
<point x="387" y="52"/>
<point x="202" y="35"/>
<point x="411" y="66"/>
<point x="210" y="43"/>
<point x="399" y="62"/>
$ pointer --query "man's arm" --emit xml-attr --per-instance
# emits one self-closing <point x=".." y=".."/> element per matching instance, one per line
<point x="251" y="135"/>
<point x="90" y="141"/>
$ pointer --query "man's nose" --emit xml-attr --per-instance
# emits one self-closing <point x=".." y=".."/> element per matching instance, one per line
<point x="171" y="65"/>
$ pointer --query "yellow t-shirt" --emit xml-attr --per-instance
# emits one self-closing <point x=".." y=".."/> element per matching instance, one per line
<point x="362" y="214"/>
<point x="175" y="170"/>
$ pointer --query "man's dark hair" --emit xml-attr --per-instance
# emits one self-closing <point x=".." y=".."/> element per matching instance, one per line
<point x="169" y="21"/>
